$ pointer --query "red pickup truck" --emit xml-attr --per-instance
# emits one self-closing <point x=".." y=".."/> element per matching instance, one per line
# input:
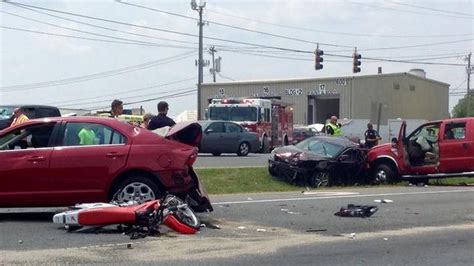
<point x="436" y="149"/>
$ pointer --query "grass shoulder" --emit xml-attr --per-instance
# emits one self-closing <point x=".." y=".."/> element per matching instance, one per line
<point x="257" y="179"/>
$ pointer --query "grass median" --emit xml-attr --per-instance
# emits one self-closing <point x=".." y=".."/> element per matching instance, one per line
<point x="257" y="179"/>
<point x="241" y="180"/>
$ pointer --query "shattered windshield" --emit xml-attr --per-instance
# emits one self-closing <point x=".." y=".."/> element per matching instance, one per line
<point x="6" y="112"/>
<point x="319" y="147"/>
<point x="236" y="113"/>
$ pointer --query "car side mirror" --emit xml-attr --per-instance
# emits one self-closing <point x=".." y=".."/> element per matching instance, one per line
<point x="394" y="142"/>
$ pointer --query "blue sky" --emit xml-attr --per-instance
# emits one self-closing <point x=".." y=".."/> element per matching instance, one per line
<point x="371" y="26"/>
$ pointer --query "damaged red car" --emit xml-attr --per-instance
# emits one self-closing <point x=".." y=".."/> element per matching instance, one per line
<point x="319" y="161"/>
<point x="67" y="160"/>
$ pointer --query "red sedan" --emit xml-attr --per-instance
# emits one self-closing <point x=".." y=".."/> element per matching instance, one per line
<point x="63" y="161"/>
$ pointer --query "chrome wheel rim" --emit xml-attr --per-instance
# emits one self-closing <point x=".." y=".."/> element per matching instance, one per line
<point x="320" y="179"/>
<point x="138" y="192"/>
<point x="381" y="176"/>
<point x="244" y="148"/>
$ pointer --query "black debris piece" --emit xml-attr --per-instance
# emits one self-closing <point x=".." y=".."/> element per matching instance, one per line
<point x="357" y="211"/>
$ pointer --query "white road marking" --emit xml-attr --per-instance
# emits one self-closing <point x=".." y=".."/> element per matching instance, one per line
<point x="334" y="193"/>
<point x="343" y="196"/>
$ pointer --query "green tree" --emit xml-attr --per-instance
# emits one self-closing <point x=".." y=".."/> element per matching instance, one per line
<point x="460" y="110"/>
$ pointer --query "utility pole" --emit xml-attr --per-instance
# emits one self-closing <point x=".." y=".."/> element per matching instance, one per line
<point x="200" y="63"/>
<point x="468" y="70"/>
<point x="213" y="50"/>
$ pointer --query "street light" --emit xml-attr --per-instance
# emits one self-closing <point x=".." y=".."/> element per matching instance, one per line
<point x="199" y="7"/>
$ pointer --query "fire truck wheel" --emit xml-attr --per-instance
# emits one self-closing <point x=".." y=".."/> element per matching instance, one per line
<point x="265" y="146"/>
<point x="244" y="149"/>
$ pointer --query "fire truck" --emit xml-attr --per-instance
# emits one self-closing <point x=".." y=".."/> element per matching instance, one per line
<point x="271" y="119"/>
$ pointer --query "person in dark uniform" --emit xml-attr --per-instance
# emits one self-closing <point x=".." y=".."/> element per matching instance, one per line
<point x="161" y="120"/>
<point x="372" y="137"/>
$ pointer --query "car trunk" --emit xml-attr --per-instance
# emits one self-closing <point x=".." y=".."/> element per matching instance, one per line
<point x="189" y="133"/>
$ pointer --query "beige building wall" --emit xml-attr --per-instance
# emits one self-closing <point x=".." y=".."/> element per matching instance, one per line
<point x="401" y="95"/>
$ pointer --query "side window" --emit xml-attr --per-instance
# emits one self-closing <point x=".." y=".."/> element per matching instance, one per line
<point x="232" y="128"/>
<point x="47" y="112"/>
<point x="455" y="131"/>
<point x="78" y="134"/>
<point x="31" y="137"/>
<point x="216" y="127"/>
<point x="267" y="115"/>
<point x="353" y="154"/>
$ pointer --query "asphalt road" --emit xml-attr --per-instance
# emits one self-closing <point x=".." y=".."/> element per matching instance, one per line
<point x="231" y="160"/>
<point x="423" y="226"/>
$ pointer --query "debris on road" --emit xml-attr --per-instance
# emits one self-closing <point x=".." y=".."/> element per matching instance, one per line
<point x="129" y="246"/>
<point x="289" y="212"/>
<point x="20" y="241"/>
<point x="352" y="235"/>
<point x="385" y="238"/>
<point x="357" y="211"/>
<point x="316" y="230"/>
<point x="383" y="200"/>
<point x="249" y="198"/>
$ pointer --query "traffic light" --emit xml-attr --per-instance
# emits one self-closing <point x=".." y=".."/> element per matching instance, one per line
<point x="356" y="62"/>
<point x="319" y="59"/>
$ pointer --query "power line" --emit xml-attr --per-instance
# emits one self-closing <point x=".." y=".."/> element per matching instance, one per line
<point x="231" y="41"/>
<point x="118" y="93"/>
<point x="95" y="34"/>
<point x="176" y="95"/>
<point x="103" y="27"/>
<point x="407" y="46"/>
<point x="159" y="29"/>
<point x="432" y="9"/>
<point x="98" y="75"/>
<point x="459" y="86"/>
<point x="236" y="27"/>
<point x="399" y="61"/>
<point x="132" y="97"/>
<point x="404" y="11"/>
<point x="94" y="39"/>
<point x="337" y="33"/>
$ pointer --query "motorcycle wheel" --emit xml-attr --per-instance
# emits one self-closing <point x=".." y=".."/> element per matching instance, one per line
<point x="183" y="220"/>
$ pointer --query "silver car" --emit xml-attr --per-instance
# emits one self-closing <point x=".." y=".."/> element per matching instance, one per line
<point x="227" y="137"/>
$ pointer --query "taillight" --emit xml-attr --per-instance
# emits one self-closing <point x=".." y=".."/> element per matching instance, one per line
<point x="193" y="157"/>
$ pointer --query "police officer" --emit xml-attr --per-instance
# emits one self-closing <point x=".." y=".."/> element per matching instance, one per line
<point x="161" y="120"/>
<point x="333" y="128"/>
<point x="372" y="137"/>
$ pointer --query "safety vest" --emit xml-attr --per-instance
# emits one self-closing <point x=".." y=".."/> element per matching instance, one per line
<point x="19" y="120"/>
<point x="337" y="130"/>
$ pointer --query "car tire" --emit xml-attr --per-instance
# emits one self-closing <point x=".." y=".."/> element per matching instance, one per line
<point x="272" y="172"/>
<point x="320" y="179"/>
<point x="216" y="153"/>
<point x="384" y="174"/>
<point x="244" y="149"/>
<point x="136" y="188"/>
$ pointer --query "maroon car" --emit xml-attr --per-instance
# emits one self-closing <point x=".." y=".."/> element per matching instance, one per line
<point x="64" y="161"/>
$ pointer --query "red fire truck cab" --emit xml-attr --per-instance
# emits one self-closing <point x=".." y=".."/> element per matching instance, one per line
<point x="271" y="119"/>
